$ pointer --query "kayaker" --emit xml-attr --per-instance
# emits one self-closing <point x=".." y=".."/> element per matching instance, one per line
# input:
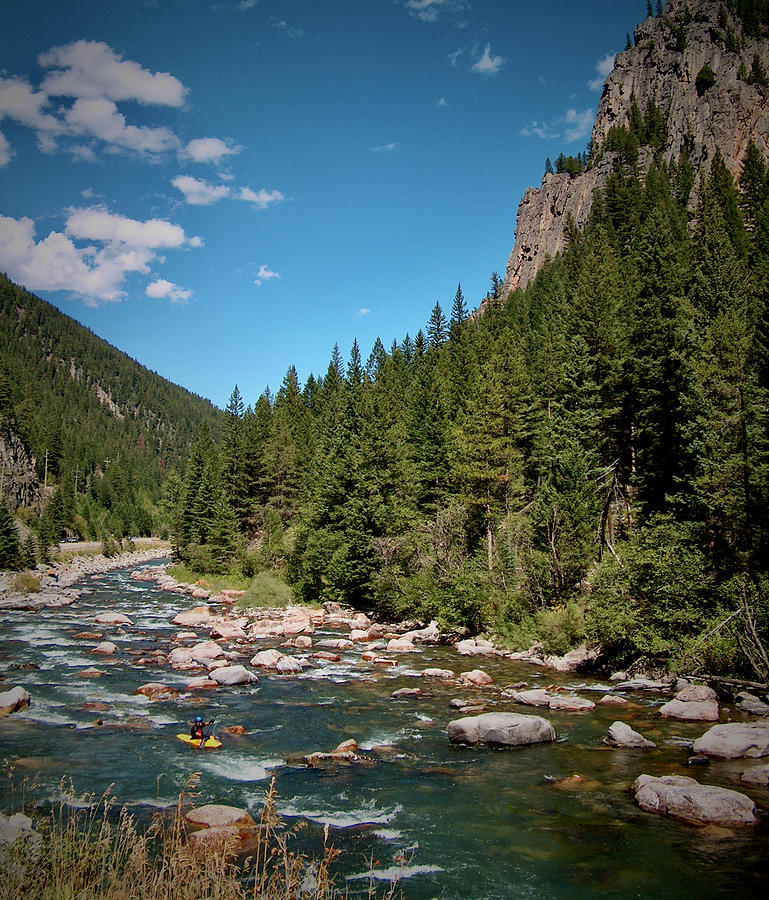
<point x="197" y="732"/>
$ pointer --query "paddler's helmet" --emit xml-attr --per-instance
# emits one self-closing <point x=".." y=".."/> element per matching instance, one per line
<point x="198" y="718"/>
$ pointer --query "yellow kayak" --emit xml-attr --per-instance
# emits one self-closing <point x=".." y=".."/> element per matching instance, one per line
<point x="211" y="742"/>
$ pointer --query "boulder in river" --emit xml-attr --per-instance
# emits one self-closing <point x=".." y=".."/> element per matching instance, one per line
<point x="477" y="677"/>
<point x="217" y="815"/>
<point x="111" y="618"/>
<point x="156" y="691"/>
<point x="232" y="675"/>
<point x="749" y="703"/>
<point x="199" y="615"/>
<point x="622" y="736"/>
<point x="500" y="729"/>
<point x="756" y="775"/>
<point x="105" y="647"/>
<point x="735" y="740"/>
<point x="537" y="697"/>
<point x="576" y="659"/>
<point x="690" y="711"/>
<point x="267" y="659"/>
<point x="14" y="700"/>
<point x="18" y="827"/>
<point x="437" y="673"/>
<point x="701" y="804"/>
<point x="288" y="665"/>
<point x="475" y="647"/>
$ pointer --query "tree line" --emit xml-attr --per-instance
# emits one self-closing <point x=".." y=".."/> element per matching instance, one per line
<point x="585" y="459"/>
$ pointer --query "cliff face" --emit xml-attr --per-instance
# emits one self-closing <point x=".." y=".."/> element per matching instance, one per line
<point x="663" y="66"/>
<point x="18" y="483"/>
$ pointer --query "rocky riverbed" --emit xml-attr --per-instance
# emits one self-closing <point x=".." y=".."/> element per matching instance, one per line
<point x="391" y="733"/>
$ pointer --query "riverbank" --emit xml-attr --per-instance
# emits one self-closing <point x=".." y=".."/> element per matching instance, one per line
<point x="56" y="580"/>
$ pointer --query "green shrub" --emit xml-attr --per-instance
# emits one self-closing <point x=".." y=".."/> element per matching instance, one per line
<point x="705" y="80"/>
<point x="657" y="598"/>
<point x="26" y="583"/>
<point x="265" y="590"/>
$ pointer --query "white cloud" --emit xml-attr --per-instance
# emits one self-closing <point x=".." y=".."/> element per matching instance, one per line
<point x="488" y="64"/>
<point x="198" y="192"/>
<point x="578" y="124"/>
<point x="265" y="274"/>
<point x="570" y="127"/>
<point x="392" y="147"/>
<point x="431" y="10"/>
<point x="100" y="118"/>
<point x="97" y="224"/>
<point x="603" y="67"/>
<point x="167" y="290"/>
<point x="288" y="30"/>
<point x="455" y="57"/>
<point x="209" y="150"/>
<point x="5" y="151"/>
<point x="91" y="258"/>
<point x="92" y="70"/>
<point x="364" y="311"/>
<point x="443" y="102"/>
<point x="261" y="198"/>
<point x="21" y="102"/>
<point x="246" y="4"/>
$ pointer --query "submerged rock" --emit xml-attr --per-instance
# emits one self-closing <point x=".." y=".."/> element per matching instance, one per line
<point x="701" y="804"/>
<point x="756" y="775"/>
<point x="749" y="703"/>
<point x="500" y="729"/>
<point x="735" y="740"/>
<point x="477" y="677"/>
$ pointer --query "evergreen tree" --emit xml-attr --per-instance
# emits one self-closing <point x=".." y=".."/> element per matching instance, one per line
<point x="458" y="311"/>
<point x="437" y="327"/>
<point x="9" y="539"/>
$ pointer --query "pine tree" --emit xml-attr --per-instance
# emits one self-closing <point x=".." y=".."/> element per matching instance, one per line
<point x="9" y="539"/>
<point x="437" y="327"/>
<point x="458" y="311"/>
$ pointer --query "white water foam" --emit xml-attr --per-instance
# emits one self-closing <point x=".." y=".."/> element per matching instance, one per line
<point x="395" y="873"/>
<point x="366" y="814"/>
<point x="241" y="769"/>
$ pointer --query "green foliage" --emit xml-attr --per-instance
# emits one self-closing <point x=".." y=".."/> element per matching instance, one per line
<point x="656" y="597"/>
<point x="705" y="79"/>
<point x="9" y="539"/>
<point x="26" y="583"/>
<point x="265" y="590"/>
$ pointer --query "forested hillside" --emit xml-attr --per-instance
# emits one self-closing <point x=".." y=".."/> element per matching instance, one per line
<point x="104" y="430"/>
<point x="588" y="458"/>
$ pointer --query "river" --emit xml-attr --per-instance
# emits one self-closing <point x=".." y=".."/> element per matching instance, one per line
<point x="449" y="822"/>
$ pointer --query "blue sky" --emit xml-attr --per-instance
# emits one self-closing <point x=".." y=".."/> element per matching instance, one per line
<point x="223" y="188"/>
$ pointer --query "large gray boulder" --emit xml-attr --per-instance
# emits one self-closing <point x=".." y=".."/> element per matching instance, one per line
<point x="735" y="740"/>
<point x="18" y="827"/>
<point x="622" y="736"/>
<point x="218" y="815"/>
<point x="690" y="710"/>
<point x="500" y="729"/>
<point x="232" y="675"/>
<point x="14" y="700"/>
<point x="701" y="804"/>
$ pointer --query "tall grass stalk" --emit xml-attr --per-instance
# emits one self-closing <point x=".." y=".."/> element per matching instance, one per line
<point x="91" y="850"/>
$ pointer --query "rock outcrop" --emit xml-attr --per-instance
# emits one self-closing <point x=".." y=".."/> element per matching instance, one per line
<point x="20" y="486"/>
<point x="669" y="54"/>
<point x="687" y="799"/>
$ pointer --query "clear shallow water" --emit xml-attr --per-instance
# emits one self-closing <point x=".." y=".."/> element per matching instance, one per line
<point x="449" y="822"/>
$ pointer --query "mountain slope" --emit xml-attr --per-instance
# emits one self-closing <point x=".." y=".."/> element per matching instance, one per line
<point x="83" y="407"/>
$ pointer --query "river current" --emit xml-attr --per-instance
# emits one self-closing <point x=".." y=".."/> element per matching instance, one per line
<point x="446" y="822"/>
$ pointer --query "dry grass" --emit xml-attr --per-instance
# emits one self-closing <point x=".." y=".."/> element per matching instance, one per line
<point x="97" y="851"/>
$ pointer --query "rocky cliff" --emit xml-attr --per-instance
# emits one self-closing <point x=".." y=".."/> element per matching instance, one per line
<point x="670" y="53"/>
<point x="18" y="483"/>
